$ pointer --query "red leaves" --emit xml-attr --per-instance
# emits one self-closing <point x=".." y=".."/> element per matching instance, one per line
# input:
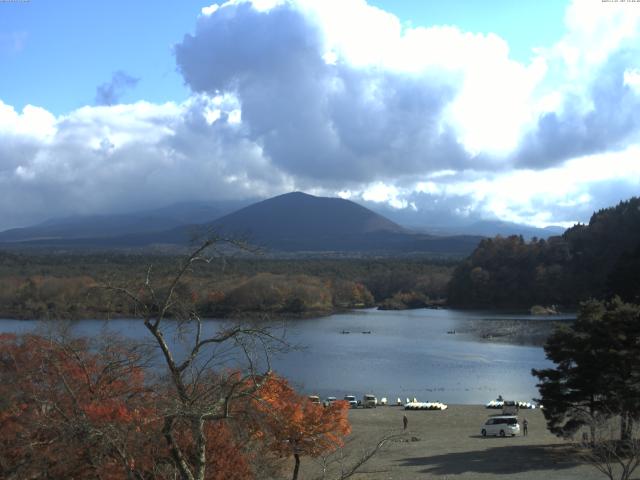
<point x="63" y="402"/>
<point x="75" y="410"/>
<point x="298" y="426"/>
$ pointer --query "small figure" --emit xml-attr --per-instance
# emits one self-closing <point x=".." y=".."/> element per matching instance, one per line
<point x="525" y="427"/>
<point x="405" y="422"/>
<point x="500" y="398"/>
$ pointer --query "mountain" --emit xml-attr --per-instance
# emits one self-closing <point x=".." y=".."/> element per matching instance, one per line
<point x="294" y="222"/>
<point x="297" y="215"/>
<point x="441" y="223"/>
<point x="92" y="227"/>
<point x="491" y="228"/>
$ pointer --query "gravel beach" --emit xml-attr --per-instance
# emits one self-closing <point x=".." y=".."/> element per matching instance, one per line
<point x="447" y="444"/>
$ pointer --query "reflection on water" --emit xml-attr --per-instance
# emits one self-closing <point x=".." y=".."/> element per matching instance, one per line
<point x="407" y="354"/>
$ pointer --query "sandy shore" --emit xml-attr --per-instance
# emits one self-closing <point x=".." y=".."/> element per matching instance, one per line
<point x="446" y="445"/>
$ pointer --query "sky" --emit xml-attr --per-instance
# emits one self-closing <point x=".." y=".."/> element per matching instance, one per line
<point x="443" y="112"/>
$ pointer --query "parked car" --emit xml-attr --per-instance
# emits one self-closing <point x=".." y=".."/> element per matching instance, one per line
<point x="501" y="425"/>
<point x="315" y="399"/>
<point x="329" y="401"/>
<point x="369" y="401"/>
<point x="353" y="403"/>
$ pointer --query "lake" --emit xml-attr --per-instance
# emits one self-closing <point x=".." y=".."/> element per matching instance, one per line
<point x="407" y="354"/>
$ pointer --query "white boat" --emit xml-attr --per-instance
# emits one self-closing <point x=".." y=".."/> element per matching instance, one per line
<point x="426" y="406"/>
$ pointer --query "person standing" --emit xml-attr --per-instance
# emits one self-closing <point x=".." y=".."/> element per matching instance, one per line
<point x="525" y="427"/>
<point x="405" y="422"/>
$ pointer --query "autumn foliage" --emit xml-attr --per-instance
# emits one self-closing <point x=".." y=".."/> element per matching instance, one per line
<point x="297" y="426"/>
<point x="71" y="408"/>
<point x="69" y="411"/>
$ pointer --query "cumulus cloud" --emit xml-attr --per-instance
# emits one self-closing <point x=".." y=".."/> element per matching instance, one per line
<point x="606" y="118"/>
<point x="124" y="158"/>
<point x="337" y="100"/>
<point x="109" y="93"/>
<point x="293" y="94"/>
<point x="328" y="121"/>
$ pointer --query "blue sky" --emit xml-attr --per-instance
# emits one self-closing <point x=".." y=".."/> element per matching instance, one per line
<point x="80" y="44"/>
<point x="446" y="111"/>
<point x="525" y="24"/>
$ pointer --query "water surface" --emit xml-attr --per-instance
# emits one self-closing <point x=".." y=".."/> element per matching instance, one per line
<point x="407" y="354"/>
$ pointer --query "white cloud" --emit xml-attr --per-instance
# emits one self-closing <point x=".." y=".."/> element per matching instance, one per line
<point x="32" y="122"/>
<point x="533" y="197"/>
<point x="383" y="193"/>
<point x="632" y="79"/>
<point x="297" y="95"/>
<point x="125" y="157"/>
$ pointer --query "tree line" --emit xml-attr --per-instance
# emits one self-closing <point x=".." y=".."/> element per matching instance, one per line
<point x="70" y="287"/>
<point x="598" y="260"/>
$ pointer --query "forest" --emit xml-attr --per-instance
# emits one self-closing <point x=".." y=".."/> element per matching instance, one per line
<point x="597" y="260"/>
<point x="72" y="286"/>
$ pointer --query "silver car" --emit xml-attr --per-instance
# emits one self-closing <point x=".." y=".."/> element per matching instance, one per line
<point x="501" y="425"/>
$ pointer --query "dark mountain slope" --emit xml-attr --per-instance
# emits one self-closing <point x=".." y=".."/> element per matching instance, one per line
<point x="119" y="225"/>
<point x="294" y="222"/>
<point x="586" y="261"/>
<point x="298" y="215"/>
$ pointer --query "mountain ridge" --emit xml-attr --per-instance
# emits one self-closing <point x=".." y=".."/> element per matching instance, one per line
<point x="293" y="222"/>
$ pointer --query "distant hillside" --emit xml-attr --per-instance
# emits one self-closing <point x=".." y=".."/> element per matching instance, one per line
<point x="294" y="222"/>
<point x="600" y="259"/>
<point x="94" y="227"/>
<point x="439" y="223"/>
<point x="297" y="215"/>
<point x="491" y="228"/>
<point x="300" y="222"/>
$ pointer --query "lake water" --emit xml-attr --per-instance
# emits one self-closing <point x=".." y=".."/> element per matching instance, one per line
<point x="407" y="354"/>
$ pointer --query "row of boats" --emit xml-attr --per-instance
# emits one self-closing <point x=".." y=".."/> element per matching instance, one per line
<point x="425" y="406"/>
<point x="501" y="404"/>
<point x="370" y="401"/>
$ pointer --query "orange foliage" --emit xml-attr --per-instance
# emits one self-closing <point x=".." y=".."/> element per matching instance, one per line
<point x="296" y="425"/>
<point x="71" y="411"/>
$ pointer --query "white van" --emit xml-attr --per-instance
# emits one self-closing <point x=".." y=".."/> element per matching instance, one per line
<point x="369" y="401"/>
<point x="501" y="425"/>
<point x="353" y="403"/>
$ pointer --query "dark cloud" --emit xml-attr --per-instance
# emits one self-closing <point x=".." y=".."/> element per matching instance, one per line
<point x="109" y="93"/>
<point x="330" y="123"/>
<point x="608" y="125"/>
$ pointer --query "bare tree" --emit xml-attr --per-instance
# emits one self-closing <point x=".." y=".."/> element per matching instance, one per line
<point x="604" y="449"/>
<point x="340" y="464"/>
<point x="209" y="372"/>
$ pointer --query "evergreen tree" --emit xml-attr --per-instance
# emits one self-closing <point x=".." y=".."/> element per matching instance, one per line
<point x="597" y="369"/>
